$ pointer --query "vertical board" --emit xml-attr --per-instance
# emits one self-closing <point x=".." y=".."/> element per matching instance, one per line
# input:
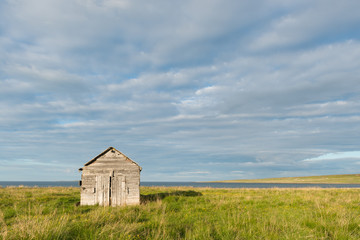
<point x="123" y="191"/>
<point x="114" y="193"/>
<point x="118" y="193"/>
<point x="106" y="183"/>
<point x="98" y="191"/>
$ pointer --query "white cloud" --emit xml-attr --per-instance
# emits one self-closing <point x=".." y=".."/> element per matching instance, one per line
<point x="318" y="23"/>
<point x="335" y="156"/>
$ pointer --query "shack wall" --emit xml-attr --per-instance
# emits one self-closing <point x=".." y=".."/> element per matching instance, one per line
<point x="106" y="165"/>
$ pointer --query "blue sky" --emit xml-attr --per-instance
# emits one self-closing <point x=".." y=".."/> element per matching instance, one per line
<point x="191" y="90"/>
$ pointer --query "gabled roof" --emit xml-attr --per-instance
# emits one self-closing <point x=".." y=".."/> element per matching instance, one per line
<point x="103" y="153"/>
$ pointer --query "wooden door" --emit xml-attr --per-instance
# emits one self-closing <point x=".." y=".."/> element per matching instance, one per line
<point x="102" y="194"/>
<point x="118" y="190"/>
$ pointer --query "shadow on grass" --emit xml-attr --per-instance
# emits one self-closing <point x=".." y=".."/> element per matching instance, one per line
<point x="159" y="196"/>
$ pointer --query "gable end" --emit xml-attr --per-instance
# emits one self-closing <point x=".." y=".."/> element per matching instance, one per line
<point x="112" y="149"/>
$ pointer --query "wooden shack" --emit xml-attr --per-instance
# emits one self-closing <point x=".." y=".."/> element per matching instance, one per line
<point x="110" y="179"/>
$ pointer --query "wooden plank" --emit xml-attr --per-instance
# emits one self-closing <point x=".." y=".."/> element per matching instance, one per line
<point x="106" y="182"/>
<point x="123" y="191"/>
<point x="114" y="186"/>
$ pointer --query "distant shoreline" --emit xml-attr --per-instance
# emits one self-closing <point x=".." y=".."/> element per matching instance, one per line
<point x="344" y="179"/>
<point x="324" y="179"/>
<point x="313" y="183"/>
<point x="247" y="185"/>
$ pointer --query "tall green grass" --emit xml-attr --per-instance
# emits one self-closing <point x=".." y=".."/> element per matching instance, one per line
<point x="183" y="213"/>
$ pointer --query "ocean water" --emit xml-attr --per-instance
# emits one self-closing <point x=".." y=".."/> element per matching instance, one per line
<point x="40" y="183"/>
<point x="189" y="184"/>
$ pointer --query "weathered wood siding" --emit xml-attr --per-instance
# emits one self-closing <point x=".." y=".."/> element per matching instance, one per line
<point x="111" y="169"/>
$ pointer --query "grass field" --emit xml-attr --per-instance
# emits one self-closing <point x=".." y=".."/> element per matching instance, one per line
<point x="183" y="213"/>
<point x="341" y="179"/>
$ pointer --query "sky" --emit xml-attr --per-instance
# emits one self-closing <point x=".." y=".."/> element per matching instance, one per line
<point x="191" y="90"/>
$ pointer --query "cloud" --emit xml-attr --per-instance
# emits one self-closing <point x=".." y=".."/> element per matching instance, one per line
<point x="322" y="23"/>
<point x="335" y="156"/>
<point x="180" y="87"/>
